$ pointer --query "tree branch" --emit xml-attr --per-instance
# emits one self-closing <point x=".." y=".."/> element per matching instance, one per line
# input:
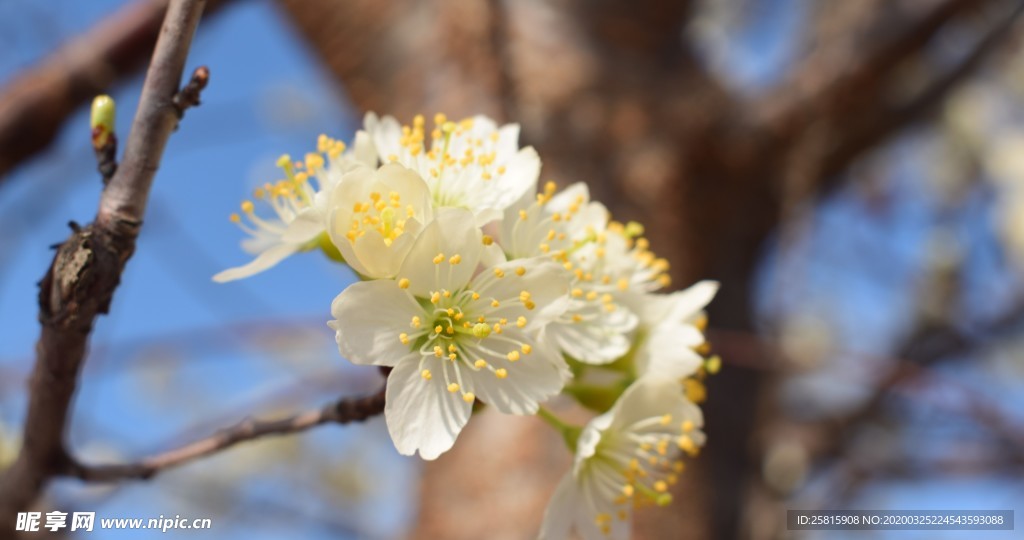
<point x="829" y="81"/>
<point x="343" y="411"/>
<point x="35" y="104"/>
<point x="886" y="120"/>
<point x="87" y="267"/>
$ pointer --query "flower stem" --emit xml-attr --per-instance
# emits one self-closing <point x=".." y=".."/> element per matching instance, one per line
<point x="570" y="433"/>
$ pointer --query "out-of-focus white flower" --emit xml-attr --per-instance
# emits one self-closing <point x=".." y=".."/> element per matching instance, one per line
<point x="299" y="202"/>
<point x="472" y="164"/>
<point x="375" y="216"/>
<point x="625" y="458"/>
<point x="570" y="229"/>
<point x="453" y="334"/>
<point x="671" y="328"/>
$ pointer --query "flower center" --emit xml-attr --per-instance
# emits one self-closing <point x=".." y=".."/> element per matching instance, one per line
<point x="381" y="215"/>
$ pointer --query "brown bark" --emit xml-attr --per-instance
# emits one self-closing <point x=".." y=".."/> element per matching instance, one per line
<point x="87" y="267"/>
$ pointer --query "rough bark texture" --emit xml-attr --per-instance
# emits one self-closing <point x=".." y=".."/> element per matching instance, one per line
<point x="87" y="267"/>
<point x="611" y="95"/>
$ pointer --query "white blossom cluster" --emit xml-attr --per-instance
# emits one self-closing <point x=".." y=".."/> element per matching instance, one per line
<point x="477" y="284"/>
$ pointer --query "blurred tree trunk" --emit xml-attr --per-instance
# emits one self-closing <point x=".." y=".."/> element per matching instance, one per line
<point x="612" y="94"/>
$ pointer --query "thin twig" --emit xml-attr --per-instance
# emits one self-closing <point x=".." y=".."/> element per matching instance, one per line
<point x="86" y="270"/>
<point x="35" y="104"/>
<point x="343" y="411"/>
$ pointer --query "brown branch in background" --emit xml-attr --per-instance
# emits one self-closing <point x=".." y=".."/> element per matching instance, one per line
<point x="343" y="411"/>
<point x="864" y="130"/>
<point x="86" y="269"/>
<point x="833" y="80"/>
<point x="35" y="104"/>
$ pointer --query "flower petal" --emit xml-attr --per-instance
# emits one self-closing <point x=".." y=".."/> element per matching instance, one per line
<point x="369" y="317"/>
<point x="453" y="232"/>
<point x="532" y="379"/>
<point x="422" y="415"/>
<point x="561" y="511"/>
<point x="263" y="261"/>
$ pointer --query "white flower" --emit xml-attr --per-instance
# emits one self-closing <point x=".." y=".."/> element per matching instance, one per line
<point x="570" y="229"/>
<point x="375" y="217"/>
<point x="625" y="458"/>
<point x="669" y="332"/>
<point x="452" y="334"/>
<point x="299" y="203"/>
<point x="470" y="164"/>
<point x="629" y="264"/>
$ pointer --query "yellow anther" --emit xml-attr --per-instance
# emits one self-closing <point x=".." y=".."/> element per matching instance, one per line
<point x="452" y="348"/>
<point x="392" y="158"/>
<point x="529" y="305"/>
<point x="448" y="127"/>
<point x="450" y="330"/>
<point x="455" y="259"/>
<point x="521" y="322"/>
<point x="480" y="364"/>
<point x="496" y="328"/>
<point x="513" y="356"/>
<point x="686" y="444"/>
<point x="666" y="419"/>
<point x="501" y="169"/>
<point x="713" y="365"/>
<point x="527" y="348"/>
<point x="468" y="397"/>
<point x="660" y="486"/>
<point x="284" y="162"/>
<point x="404" y="338"/>
<point x="450" y="311"/>
<point x="235" y="218"/>
<point x="623" y="284"/>
<point x="453" y="387"/>
<point x="501" y="373"/>
<point x="687" y="426"/>
<point x="522" y="215"/>
<point x="627" y="490"/>
<point x="438" y="329"/>
<point x="453" y="356"/>
<point x="439" y="258"/>
<point x="435" y="297"/>
<point x="520" y="270"/>
<point x="426" y="374"/>
<point x="476" y="296"/>
<point x="440" y="118"/>
<point x="446" y="293"/>
<point x="438" y="352"/>
<point x="314" y="162"/>
<point x="498" y="272"/>
<point x="577" y="292"/>
<point x="488" y="240"/>
<point x="247" y="207"/>
<point x="403" y="283"/>
<point x="592" y="295"/>
<point x="576" y="317"/>
<point x="415" y="322"/>
<point x="495" y="303"/>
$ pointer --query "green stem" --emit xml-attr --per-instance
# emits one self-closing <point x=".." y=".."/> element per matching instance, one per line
<point x="570" y="433"/>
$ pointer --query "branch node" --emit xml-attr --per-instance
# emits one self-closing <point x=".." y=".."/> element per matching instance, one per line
<point x="188" y="96"/>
